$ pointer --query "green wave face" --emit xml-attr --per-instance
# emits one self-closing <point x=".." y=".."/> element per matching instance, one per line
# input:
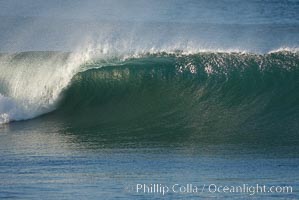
<point x="235" y="97"/>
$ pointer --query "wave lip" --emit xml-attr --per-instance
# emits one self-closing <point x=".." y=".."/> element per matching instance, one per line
<point x="31" y="82"/>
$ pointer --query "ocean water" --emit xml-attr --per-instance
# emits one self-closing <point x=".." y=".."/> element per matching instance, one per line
<point x="149" y="99"/>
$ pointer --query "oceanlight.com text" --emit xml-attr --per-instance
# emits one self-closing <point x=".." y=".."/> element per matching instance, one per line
<point x="164" y="189"/>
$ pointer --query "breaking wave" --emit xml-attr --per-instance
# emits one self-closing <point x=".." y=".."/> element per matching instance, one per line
<point x="196" y="90"/>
